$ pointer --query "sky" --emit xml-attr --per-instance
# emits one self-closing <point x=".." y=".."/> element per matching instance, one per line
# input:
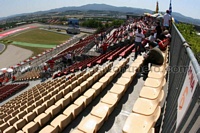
<point x="12" y="7"/>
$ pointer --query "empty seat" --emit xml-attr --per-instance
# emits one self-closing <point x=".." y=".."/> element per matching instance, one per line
<point x="77" y="131"/>
<point x="76" y="92"/>
<point x="58" y="96"/>
<point x="63" y="102"/>
<point x="137" y="123"/>
<point x="53" y="110"/>
<point x="118" y="89"/>
<point x="30" y="116"/>
<point x="49" y="129"/>
<point x="98" y="87"/>
<point x="110" y="75"/>
<point x="20" y="124"/>
<point x="4" y="126"/>
<point x="73" y="109"/>
<point x="124" y="81"/>
<point x="148" y="106"/>
<point x="104" y="80"/>
<point x="82" y="100"/>
<point x="66" y="90"/>
<point x="40" y="109"/>
<point x="149" y="92"/>
<point x="10" y="129"/>
<point x="12" y="120"/>
<point x="101" y="110"/>
<point x="43" y="118"/>
<point x="31" y="127"/>
<point x="90" y="81"/>
<point x="152" y="82"/>
<point x="84" y="86"/>
<point x="90" y="124"/>
<point x="49" y="102"/>
<point x="61" y="121"/>
<point x="90" y="93"/>
<point x="30" y="108"/>
<point x="21" y="114"/>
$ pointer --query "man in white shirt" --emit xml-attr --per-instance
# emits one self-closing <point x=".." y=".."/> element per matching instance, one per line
<point x="167" y="18"/>
<point x="138" y="39"/>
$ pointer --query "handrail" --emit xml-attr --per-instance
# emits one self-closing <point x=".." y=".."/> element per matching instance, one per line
<point x="190" y="54"/>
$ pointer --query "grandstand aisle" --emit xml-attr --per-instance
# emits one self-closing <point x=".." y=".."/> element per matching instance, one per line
<point x="116" y="121"/>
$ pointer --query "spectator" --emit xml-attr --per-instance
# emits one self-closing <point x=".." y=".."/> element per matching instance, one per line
<point x="164" y="43"/>
<point x="158" y="30"/>
<point x="13" y="78"/>
<point x="154" y="57"/>
<point x="104" y="47"/>
<point x="1" y="81"/>
<point x="167" y="19"/>
<point x="138" y="39"/>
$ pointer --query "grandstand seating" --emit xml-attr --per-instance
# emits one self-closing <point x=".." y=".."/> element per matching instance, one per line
<point x="7" y="90"/>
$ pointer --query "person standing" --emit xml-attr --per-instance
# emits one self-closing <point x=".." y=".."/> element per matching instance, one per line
<point x="139" y="36"/>
<point x="167" y="20"/>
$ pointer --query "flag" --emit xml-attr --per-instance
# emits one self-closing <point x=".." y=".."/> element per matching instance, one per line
<point x="170" y="8"/>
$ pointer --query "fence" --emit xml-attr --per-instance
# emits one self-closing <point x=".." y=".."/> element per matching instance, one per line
<point x="181" y="108"/>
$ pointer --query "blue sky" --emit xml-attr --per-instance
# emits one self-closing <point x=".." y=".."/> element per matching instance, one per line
<point x="11" y="7"/>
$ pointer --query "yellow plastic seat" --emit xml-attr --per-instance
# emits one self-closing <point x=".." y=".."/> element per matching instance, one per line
<point x="137" y="123"/>
<point x="118" y="89"/>
<point x="40" y="109"/>
<point x="155" y="83"/>
<point x="145" y="106"/>
<point x="12" y="120"/>
<point x="61" y="121"/>
<point x="98" y="86"/>
<point x="77" y="131"/>
<point x="49" y="129"/>
<point x="10" y="129"/>
<point x="90" y="94"/>
<point x="90" y="124"/>
<point x="73" y="109"/>
<point x="76" y="92"/>
<point x="104" y="80"/>
<point x="20" y="124"/>
<point x="53" y="110"/>
<point x="124" y="81"/>
<point x="82" y="100"/>
<point x="63" y="102"/>
<point x="149" y="92"/>
<point x="30" y="116"/>
<point x="101" y="110"/>
<point x="43" y="118"/>
<point x="110" y="76"/>
<point x="84" y="86"/>
<point x="31" y="127"/>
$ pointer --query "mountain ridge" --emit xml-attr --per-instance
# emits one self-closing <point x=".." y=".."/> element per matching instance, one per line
<point x="105" y="7"/>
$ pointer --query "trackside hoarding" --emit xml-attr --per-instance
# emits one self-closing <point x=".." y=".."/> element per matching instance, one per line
<point x="186" y="94"/>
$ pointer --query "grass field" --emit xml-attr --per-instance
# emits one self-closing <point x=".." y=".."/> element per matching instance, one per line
<point x="37" y="40"/>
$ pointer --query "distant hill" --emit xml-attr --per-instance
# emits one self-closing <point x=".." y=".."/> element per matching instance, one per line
<point x="104" y="7"/>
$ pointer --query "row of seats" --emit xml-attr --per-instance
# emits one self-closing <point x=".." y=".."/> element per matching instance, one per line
<point x="147" y="107"/>
<point x="84" y="96"/>
<point x="7" y="90"/>
<point x="30" y="75"/>
<point x="100" y="113"/>
<point x="77" y="47"/>
<point x="44" y="106"/>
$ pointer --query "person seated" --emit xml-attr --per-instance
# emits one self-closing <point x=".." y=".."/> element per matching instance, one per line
<point x="165" y="42"/>
<point x="154" y="56"/>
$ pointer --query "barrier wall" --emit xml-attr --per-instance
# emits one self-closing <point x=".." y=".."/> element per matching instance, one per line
<point x="181" y="109"/>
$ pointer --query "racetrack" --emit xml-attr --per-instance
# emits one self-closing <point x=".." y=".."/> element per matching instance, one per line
<point x="13" y="55"/>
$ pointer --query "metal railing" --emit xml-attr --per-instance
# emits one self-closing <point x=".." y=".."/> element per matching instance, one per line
<point x="181" y="56"/>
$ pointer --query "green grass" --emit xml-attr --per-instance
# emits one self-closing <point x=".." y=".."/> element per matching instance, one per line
<point x="36" y="40"/>
<point x="39" y="36"/>
<point x="189" y="33"/>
